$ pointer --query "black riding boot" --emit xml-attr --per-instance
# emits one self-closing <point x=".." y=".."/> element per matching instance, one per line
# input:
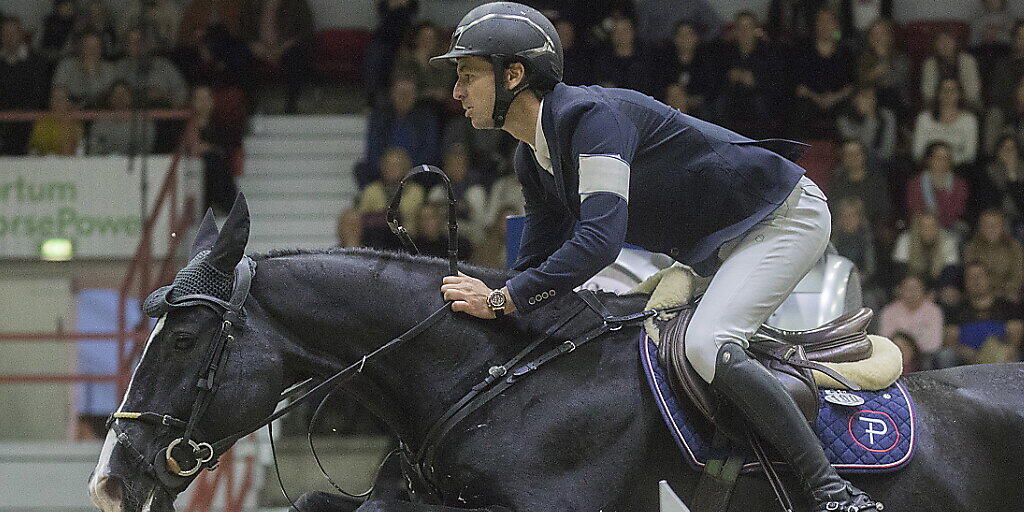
<point x="773" y="414"/>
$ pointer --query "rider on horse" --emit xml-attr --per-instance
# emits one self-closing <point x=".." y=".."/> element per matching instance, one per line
<point x="601" y="167"/>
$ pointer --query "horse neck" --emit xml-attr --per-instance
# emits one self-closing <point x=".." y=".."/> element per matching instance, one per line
<point x="353" y="304"/>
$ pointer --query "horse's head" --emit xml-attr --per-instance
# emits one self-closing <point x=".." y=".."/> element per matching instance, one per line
<point x="204" y="374"/>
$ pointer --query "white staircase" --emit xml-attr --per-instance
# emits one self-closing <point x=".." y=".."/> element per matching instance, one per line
<point x="298" y="177"/>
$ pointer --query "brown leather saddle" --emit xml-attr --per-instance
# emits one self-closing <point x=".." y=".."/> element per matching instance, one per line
<point x="789" y="355"/>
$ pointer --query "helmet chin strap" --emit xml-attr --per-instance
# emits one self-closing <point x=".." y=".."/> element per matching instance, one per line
<point x="503" y="96"/>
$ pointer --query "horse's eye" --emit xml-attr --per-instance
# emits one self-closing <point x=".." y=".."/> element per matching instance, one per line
<point x="183" y="341"/>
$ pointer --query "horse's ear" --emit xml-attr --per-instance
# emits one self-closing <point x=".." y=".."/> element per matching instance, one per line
<point x="206" y="235"/>
<point x="230" y="245"/>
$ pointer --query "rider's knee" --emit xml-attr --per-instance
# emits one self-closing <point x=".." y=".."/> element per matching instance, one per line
<point x="702" y="343"/>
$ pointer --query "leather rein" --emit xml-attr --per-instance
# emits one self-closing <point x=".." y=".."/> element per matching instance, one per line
<point x="187" y="454"/>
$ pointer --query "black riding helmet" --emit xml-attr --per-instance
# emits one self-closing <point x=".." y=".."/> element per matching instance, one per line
<point x="503" y="33"/>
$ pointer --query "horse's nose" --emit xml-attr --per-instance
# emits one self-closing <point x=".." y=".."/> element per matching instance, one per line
<point x="105" y="491"/>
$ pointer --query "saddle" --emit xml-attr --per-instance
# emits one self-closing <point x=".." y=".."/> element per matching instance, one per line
<point x="789" y="355"/>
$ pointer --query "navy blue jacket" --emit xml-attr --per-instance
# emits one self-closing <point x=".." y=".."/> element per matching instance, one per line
<point x="627" y="168"/>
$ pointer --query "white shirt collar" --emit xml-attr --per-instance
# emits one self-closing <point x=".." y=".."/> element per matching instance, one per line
<point x="540" y="143"/>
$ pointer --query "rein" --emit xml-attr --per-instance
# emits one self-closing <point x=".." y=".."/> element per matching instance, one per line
<point x="186" y="455"/>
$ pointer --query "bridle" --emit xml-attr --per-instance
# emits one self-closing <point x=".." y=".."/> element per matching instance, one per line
<point x="187" y="455"/>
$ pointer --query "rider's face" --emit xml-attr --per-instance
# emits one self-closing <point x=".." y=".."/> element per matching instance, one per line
<point x="475" y="90"/>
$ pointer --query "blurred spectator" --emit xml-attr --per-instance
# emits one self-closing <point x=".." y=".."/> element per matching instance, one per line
<point x="432" y="233"/>
<point x="593" y="20"/>
<point x="1002" y="256"/>
<point x="949" y="61"/>
<point x="856" y="178"/>
<point x="948" y="121"/>
<point x="745" y="94"/>
<point x="915" y="313"/>
<point x="872" y="125"/>
<point x="885" y="67"/>
<point x="489" y="150"/>
<point x="404" y="124"/>
<point x="1009" y="71"/>
<point x="280" y="36"/>
<point x="95" y="19"/>
<point x="126" y="134"/>
<point x="856" y="17"/>
<point x="159" y="21"/>
<point x="926" y="249"/>
<point x="433" y="82"/>
<point x="851" y="235"/>
<point x="936" y="190"/>
<point x="993" y="26"/>
<point x="395" y="18"/>
<point x="56" y="133"/>
<point x="622" y="63"/>
<point x="792" y="21"/>
<point x="577" y="59"/>
<point x="470" y="196"/>
<point x="686" y="61"/>
<point x="85" y="76"/>
<point x="492" y="252"/>
<point x="824" y="75"/>
<point x="366" y="223"/>
<point x="506" y="195"/>
<point x="218" y="59"/>
<point x="57" y="29"/>
<point x="989" y="326"/>
<point x="505" y="199"/>
<point x="676" y="97"/>
<point x="908" y="350"/>
<point x="23" y="84"/>
<point x="1005" y="117"/>
<point x="153" y="80"/>
<point x="1006" y="179"/>
<point x="201" y="15"/>
<point x="657" y="20"/>
<point x="215" y="138"/>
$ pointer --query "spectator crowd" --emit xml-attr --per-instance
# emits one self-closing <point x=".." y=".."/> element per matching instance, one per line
<point x="915" y="128"/>
<point x="99" y="75"/>
<point x="915" y="132"/>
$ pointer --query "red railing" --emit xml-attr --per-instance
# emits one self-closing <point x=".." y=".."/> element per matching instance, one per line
<point x="139" y="271"/>
<point x="234" y="480"/>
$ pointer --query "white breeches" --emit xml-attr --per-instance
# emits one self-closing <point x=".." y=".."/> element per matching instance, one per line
<point x="759" y="270"/>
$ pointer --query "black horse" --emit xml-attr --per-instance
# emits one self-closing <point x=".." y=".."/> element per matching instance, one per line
<point x="581" y="434"/>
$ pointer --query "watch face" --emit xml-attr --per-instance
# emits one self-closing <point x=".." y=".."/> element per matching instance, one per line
<point x="496" y="299"/>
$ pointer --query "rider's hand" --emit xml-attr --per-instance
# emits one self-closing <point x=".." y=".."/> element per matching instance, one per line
<point x="469" y="295"/>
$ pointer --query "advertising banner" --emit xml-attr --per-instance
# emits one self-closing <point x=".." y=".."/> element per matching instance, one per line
<point x="95" y="203"/>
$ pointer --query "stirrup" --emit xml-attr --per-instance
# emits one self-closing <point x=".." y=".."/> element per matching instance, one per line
<point x="856" y="501"/>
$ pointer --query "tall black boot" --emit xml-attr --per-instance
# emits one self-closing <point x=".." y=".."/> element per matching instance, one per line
<point x="773" y="414"/>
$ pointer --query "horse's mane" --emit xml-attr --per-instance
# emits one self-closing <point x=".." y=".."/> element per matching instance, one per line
<point x="536" y="321"/>
<point x="380" y="255"/>
<point x="393" y="256"/>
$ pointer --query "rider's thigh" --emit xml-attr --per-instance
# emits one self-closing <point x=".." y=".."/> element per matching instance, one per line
<point x="759" y="270"/>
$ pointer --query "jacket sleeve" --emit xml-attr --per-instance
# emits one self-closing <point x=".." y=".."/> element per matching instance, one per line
<point x="603" y="142"/>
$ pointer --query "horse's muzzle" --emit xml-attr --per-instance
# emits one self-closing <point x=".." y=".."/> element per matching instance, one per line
<point x="105" y="491"/>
